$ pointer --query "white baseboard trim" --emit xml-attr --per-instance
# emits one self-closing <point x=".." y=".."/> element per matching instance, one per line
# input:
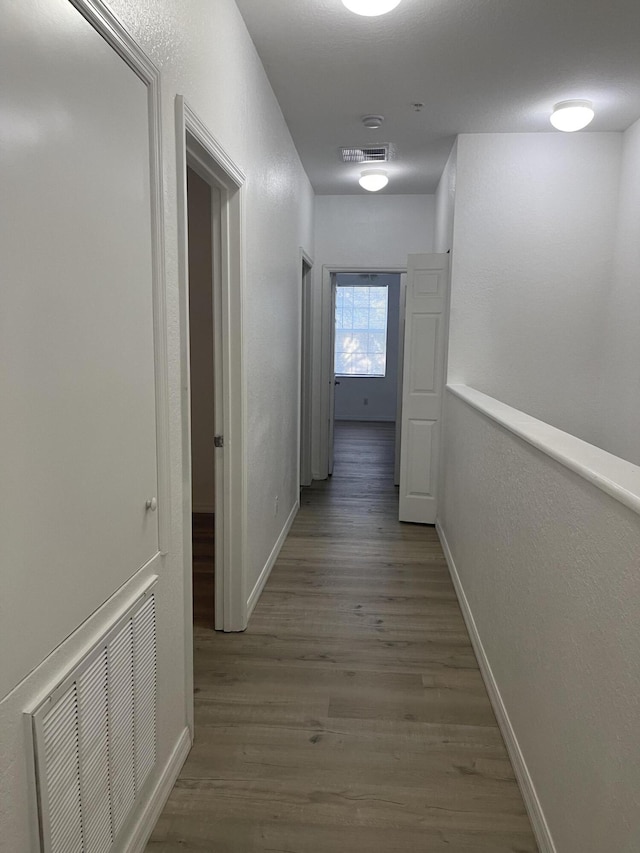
<point x="152" y="810"/>
<point x="273" y="556"/>
<point x="529" y="795"/>
<point x="209" y="509"/>
<point x="367" y="419"/>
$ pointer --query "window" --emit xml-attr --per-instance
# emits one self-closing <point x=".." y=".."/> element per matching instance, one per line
<point x="361" y="330"/>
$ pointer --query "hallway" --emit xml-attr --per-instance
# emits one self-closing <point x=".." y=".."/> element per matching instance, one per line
<point x="351" y="715"/>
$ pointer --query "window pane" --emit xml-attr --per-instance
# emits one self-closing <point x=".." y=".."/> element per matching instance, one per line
<point x="361" y="330"/>
<point x="360" y="296"/>
<point x="360" y="318"/>
<point x="378" y="318"/>
<point x="377" y="342"/>
<point x="378" y="297"/>
<point x="378" y="364"/>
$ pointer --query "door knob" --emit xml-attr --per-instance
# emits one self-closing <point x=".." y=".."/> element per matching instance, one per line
<point x="152" y="504"/>
<point x="336" y="381"/>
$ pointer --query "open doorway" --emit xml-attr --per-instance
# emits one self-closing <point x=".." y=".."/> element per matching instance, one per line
<point x="421" y="373"/>
<point x="326" y="377"/>
<point x="203" y="218"/>
<point x="210" y="203"/>
<point x="306" y="376"/>
<point x="222" y="197"/>
<point x="366" y="352"/>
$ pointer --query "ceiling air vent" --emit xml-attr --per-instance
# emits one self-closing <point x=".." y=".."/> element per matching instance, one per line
<point x="366" y="154"/>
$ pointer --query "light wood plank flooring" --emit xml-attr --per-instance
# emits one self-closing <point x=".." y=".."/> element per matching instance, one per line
<point x="351" y="715"/>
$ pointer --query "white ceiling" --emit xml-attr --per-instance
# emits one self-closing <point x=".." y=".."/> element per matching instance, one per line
<point x="477" y="65"/>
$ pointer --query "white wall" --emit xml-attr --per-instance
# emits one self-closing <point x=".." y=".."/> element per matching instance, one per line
<point x="545" y="301"/>
<point x="203" y="52"/>
<point x="620" y="329"/>
<point x="549" y="565"/>
<point x="201" y="343"/>
<point x="371" y="230"/>
<point x="532" y="271"/>
<point x="358" y="231"/>
<point x="76" y="346"/>
<point x="446" y="203"/>
<point x="380" y="392"/>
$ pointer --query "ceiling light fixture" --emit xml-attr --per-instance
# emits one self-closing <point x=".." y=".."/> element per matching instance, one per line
<point x="373" y="180"/>
<point x="370" y="8"/>
<point x="572" y="115"/>
<point x="372" y="122"/>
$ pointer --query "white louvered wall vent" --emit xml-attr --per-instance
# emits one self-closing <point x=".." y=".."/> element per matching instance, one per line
<point x="95" y="738"/>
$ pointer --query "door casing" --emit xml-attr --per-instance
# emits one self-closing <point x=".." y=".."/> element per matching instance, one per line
<point x="196" y="146"/>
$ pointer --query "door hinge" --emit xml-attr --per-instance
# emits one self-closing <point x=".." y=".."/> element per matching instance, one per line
<point x="218" y="441"/>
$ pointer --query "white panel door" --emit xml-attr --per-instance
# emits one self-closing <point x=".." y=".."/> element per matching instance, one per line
<point x="422" y="386"/>
<point x="77" y="372"/>
<point x="398" y="424"/>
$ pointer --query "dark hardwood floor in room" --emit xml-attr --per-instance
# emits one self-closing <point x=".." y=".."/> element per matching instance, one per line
<point x="351" y="715"/>
<point x="203" y="569"/>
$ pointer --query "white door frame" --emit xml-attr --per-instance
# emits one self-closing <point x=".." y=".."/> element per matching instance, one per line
<point x="197" y="146"/>
<point x="305" y="369"/>
<point x="325" y="379"/>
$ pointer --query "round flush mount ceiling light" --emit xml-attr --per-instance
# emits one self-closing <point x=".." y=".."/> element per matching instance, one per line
<point x="370" y="8"/>
<point x="373" y="180"/>
<point x="572" y="115"/>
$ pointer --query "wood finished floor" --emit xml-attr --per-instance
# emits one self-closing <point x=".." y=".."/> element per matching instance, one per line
<point x="203" y="569"/>
<point x="351" y="715"/>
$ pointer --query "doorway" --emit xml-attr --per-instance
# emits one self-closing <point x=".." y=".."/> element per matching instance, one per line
<point x="203" y="223"/>
<point x="306" y="377"/>
<point x="213" y="505"/>
<point x="362" y="363"/>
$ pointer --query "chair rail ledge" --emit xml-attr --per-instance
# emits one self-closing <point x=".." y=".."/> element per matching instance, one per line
<point x="611" y="474"/>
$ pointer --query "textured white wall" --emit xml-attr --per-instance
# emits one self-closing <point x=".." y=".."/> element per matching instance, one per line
<point x="621" y="385"/>
<point x="381" y="392"/>
<point x="549" y="564"/>
<point x="372" y="230"/>
<point x="204" y="53"/>
<point x="544" y="317"/>
<point x="445" y="204"/>
<point x="532" y="269"/>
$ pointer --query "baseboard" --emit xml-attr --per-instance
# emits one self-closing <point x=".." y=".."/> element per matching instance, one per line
<point x="367" y="419"/>
<point x="273" y="556"/>
<point x="208" y="509"/>
<point x="148" y="818"/>
<point x="529" y="795"/>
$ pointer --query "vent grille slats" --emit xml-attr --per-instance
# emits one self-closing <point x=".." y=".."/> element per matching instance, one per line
<point x="121" y="757"/>
<point x="144" y="627"/>
<point x="366" y="154"/>
<point x="95" y="738"/>
<point x="94" y="755"/>
<point x="63" y="774"/>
